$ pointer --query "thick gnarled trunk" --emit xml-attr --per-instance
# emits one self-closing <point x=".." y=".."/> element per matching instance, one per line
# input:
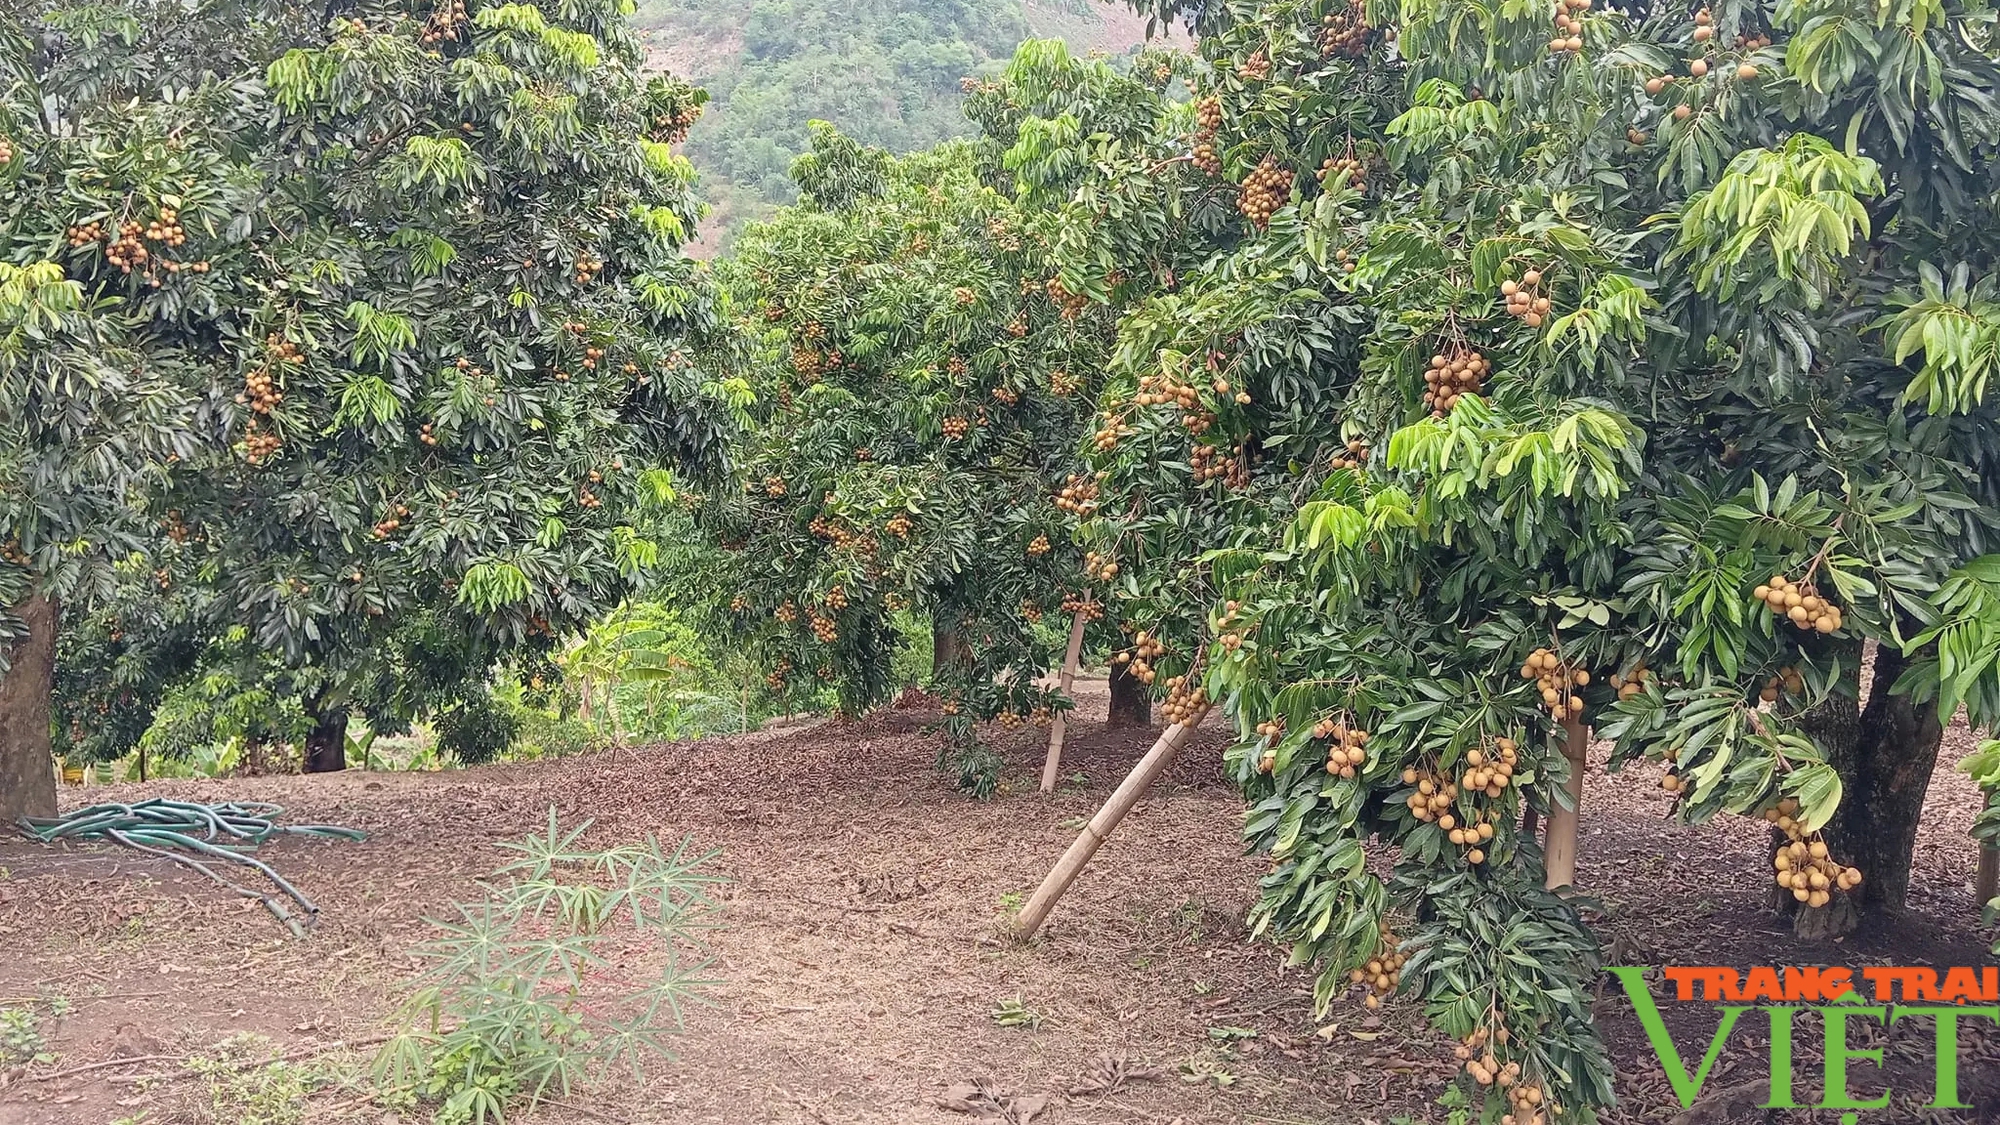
<point x="1885" y="753"/>
<point x="326" y="744"/>
<point x="1898" y="750"/>
<point x="1131" y="701"/>
<point x="27" y="772"/>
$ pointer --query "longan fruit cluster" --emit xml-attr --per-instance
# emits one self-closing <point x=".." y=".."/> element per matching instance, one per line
<point x="774" y="485"/>
<point x="962" y="295"/>
<point x="1017" y="327"/>
<point x="389" y="524"/>
<point x="787" y="612"/>
<point x="1145" y="649"/>
<point x="444" y="23"/>
<point x="1078" y="495"/>
<point x="1473" y="835"/>
<point x="1524" y="299"/>
<point x="1221" y="387"/>
<point x="585" y="498"/>
<point x="807" y="363"/>
<point x="1629" y="684"/>
<point x="1266" y="189"/>
<point x="1184" y="705"/>
<point x="1257" y="67"/>
<point x="836" y="598"/>
<point x="1006" y="395"/>
<point x="775" y="678"/>
<point x="591" y="355"/>
<point x="1102" y="568"/>
<point x="1068" y="303"/>
<point x="587" y="268"/>
<point x="1062" y="384"/>
<point x="1210" y="462"/>
<point x="1091" y="608"/>
<point x="426" y="436"/>
<point x="11" y="552"/>
<point x="1799" y="603"/>
<point x="1431" y="796"/>
<point x="1804" y="866"/>
<point x="835" y="533"/>
<point x="898" y="525"/>
<point x="258" y="445"/>
<point x="6" y="150"/>
<point x="1165" y="390"/>
<point x="1355" y="457"/>
<point x="1339" y="171"/>
<point x="1107" y="436"/>
<point x="1788" y="679"/>
<point x="1452" y="376"/>
<point x="1031" y="611"/>
<point x="1382" y="974"/>
<point x="1207" y="122"/>
<point x="1344" y="32"/>
<point x="672" y="128"/>
<point x="1556" y="681"/>
<point x="84" y="235"/>
<point x="823" y="627"/>
<point x="1490" y="771"/>
<point x="1569" y="28"/>
<point x="127" y="251"/>
<point x="739" y="603"/>
<point x="956" y="427"/>
<point x="1038" y="546"/>
<point x="260" y="391"/>
<point x="1349" y="751"/>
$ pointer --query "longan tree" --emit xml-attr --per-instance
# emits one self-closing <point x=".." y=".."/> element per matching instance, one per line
<point x="922" y="383"/>
<point x="416" y="275"/>
<point x="1583" y="368"/>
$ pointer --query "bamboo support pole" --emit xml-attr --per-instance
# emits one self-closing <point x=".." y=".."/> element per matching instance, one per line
<point x="1063" y="683"/>
<point x="1064" y="873"/>
<point x="1559" y="854"/>
<point x="1986" y="884"/>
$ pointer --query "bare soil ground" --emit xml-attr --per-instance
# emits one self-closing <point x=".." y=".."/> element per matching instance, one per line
<point x="862" y="952"/>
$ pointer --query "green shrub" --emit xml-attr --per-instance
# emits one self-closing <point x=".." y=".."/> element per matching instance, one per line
<point x="477" y="730"/>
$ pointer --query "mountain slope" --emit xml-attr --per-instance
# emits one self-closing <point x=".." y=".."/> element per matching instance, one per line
<point x="884" y="71"/>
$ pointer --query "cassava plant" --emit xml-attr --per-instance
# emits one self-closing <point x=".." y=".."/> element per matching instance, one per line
<point x="578" y="960"/>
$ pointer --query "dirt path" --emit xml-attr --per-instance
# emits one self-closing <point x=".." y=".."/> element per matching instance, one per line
<point x="861" y="955"/>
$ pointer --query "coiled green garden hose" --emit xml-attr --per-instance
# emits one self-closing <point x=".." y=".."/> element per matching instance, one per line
<point x="170" y="829"/>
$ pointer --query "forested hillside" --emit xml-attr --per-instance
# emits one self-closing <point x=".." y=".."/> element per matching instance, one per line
<point x="886" y="72"/>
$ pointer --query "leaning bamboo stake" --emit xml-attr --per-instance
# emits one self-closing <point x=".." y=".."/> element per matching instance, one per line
<point x="1559" y="854"/>
<point x="1986" y="883"/>
<point x="1063" y="683"/>
<point x="1072" y="862"/>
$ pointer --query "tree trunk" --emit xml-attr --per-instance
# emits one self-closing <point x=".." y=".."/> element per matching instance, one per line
<point x="27" y="771"/>
<point x="945" y="648"/>
<point x="1885" y="753"/>
<point x="1986" y="883"/>
<point x="326" y="745"/>
<point x="1131" y="700"/>
<point x="1897" y="751"/>
<point x="1559" y="854"/>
